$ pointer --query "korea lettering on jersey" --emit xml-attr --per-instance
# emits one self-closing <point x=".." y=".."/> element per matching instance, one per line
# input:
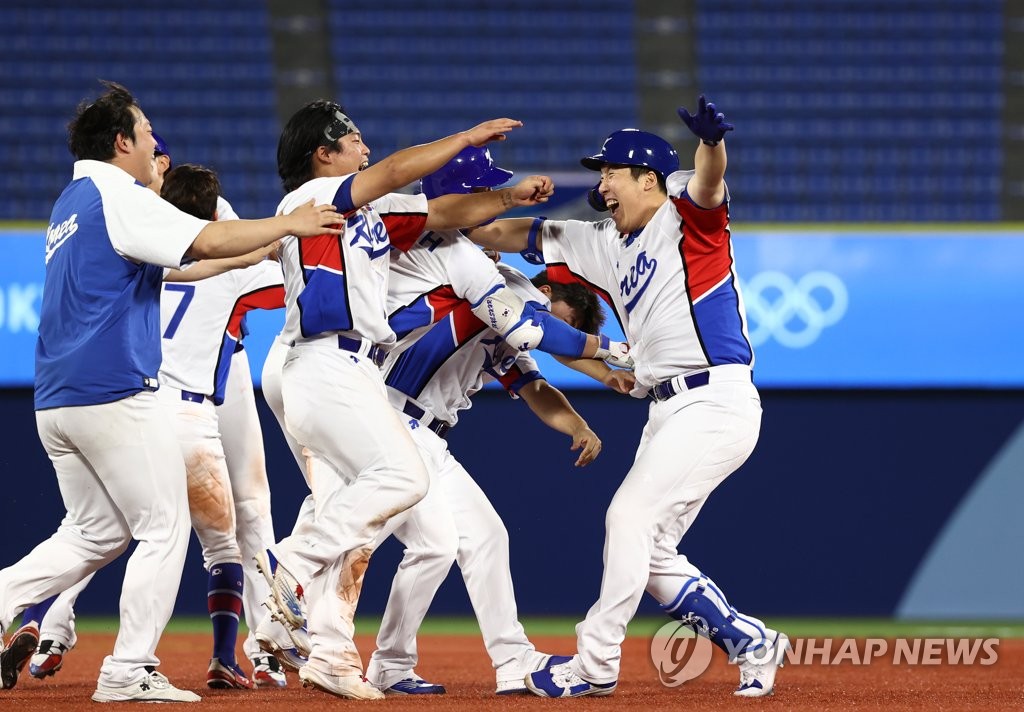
<point x="672" y="285"/>
<point x="442" y="366"/>
<point x="107" y="244"/>
<point x="339" y="282"/>
<point x="201" y="324"/>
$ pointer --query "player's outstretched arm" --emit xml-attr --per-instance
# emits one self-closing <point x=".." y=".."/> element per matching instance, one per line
<point x="617" y="379"/>
<point x="457" y="210"/>
<point x="553" y="408"/>
<point x="410" y="164"/>
<point x="232" y="238"/>
<point x="211" y="268"/>
<point x="707" y="186"/>
<point x="509" y="235"/>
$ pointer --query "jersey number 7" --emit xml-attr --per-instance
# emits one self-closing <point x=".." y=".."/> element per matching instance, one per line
<point x="187" y="292"/>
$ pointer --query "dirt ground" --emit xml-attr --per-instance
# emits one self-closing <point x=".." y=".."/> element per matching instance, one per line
<point x="461" y="664"/>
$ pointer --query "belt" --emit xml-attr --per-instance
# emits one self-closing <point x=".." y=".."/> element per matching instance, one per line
<point x="364" y="348"/>
<point x="194" y="397"/>
<point x="440" y="427"/>
<point x="674" y="386"/>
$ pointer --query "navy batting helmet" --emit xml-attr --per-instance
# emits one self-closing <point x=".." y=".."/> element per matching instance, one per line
<point x="472" y="168"/>
<point x="633" y="147"/>
<point x="161" y="147"/>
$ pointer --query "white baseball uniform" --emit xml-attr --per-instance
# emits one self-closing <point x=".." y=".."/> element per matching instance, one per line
<point x="431" y="376"/>
<point x="335" y="401"/>
<point x="118" y="467"/>
<point x="242" y="440"/>
<point x="674" y="288"/>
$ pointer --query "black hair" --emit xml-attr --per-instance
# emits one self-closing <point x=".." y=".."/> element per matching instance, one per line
<point x="97" y="124"/>
<point x="639" y="172"/>
<point x="302" y="136"/>
<point x="192" y="189"/>
<point x="589" y="315"/>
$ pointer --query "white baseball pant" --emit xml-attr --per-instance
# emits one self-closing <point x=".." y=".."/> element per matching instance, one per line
<point x="210" y="501"/>
<point x="59" y="622"/>
<point x="691" y="443"/>
<point x="121" y="476"/>
<point x="242" y="440"/>
<point x="335" y="403"/>
<point x="454" y="522"/>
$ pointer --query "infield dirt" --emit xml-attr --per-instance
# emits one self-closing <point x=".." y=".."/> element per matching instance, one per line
<point x="460" y="663"/>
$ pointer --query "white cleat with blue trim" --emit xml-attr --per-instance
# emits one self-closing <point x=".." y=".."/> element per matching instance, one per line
<point x="757" y="669"/>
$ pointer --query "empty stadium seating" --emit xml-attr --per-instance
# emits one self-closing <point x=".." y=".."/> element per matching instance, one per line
<point x="202" y="74"/>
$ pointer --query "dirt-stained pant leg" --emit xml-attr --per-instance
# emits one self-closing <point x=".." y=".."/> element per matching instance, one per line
<point x="242" y="439"/>
<point x="336" y="405"/>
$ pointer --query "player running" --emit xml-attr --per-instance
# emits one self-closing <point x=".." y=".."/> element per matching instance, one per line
<point x="664" y="262"/>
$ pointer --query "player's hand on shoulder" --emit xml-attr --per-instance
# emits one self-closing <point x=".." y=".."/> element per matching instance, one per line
<point x="586" y="440"/>
<point x="708" y="123"/>
<point x="493" y="130"/>
<point x="532" y="190"/>
<point x="257" y="256"/>
<point x="310" y="220"/>
<point x="620" y="381"/>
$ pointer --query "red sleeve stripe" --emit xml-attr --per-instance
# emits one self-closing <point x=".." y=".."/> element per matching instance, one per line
<point x="265" y="298"/>
<point x="404" y="228"/>
<point x="704" y="247"/>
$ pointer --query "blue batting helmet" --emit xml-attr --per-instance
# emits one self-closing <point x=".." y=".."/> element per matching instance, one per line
<point x="633" y="147"/>
<point x="472" y="168"/>
<point x="161" y="147"/>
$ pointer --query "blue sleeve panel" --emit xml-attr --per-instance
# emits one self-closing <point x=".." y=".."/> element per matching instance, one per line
<point x="559" y="338"/>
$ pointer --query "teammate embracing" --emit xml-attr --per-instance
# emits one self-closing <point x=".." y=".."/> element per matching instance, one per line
<point x="334" y="398"/>
<point x="664" y="262"/>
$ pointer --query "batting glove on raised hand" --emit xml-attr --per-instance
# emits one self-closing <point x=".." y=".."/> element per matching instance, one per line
<point x="708" y="124"/>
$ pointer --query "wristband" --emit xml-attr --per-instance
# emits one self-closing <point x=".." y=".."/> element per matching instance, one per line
<point x="710" y="143"/>
<point x="531" y="254"/>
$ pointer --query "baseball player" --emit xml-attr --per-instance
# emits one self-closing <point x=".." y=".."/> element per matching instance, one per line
<point x="664" y="262"/>
<point x="442" y="294"/>
<point x="334" y="396"/>
<point x="200" y="355"/>
<point x="118" y="467"/>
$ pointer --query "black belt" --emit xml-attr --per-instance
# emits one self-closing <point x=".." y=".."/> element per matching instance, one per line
<point x="667" y="389"/>
<point x="194" y="397"/>
<point x="439" y="427"/>
<point x="375" y="353"/>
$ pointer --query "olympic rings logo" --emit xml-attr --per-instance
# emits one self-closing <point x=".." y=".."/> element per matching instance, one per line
<point x="793" y="313"/>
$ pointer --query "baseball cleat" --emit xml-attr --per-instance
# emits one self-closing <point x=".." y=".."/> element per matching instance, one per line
<point x="280" y="641"/>
<point x="414" y="685"/>
<point x="222" y="676"/>
<point x="267" y="671"/>
<point x="510" y="677"/>
<point x="19" y="649"/>
<point x="48" y="659"/>
<point x="154" y="687"/>
<point x="285" y="591"/>
<point x="352" y="687"/>
<point x="562" y="681"/>
<point x="757" y="671"/>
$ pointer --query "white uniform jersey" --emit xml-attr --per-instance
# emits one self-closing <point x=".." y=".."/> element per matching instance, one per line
<point x="672" y="285"/>
<point x="224" y="210"/>
<point x="441" y="367"/>
<point x="339" y="283"/>
<point x="201" y="324"/>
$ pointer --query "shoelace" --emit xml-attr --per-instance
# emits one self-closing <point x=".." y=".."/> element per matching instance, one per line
<point x="563" y="676"/>
<point x="159" y="681"/>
